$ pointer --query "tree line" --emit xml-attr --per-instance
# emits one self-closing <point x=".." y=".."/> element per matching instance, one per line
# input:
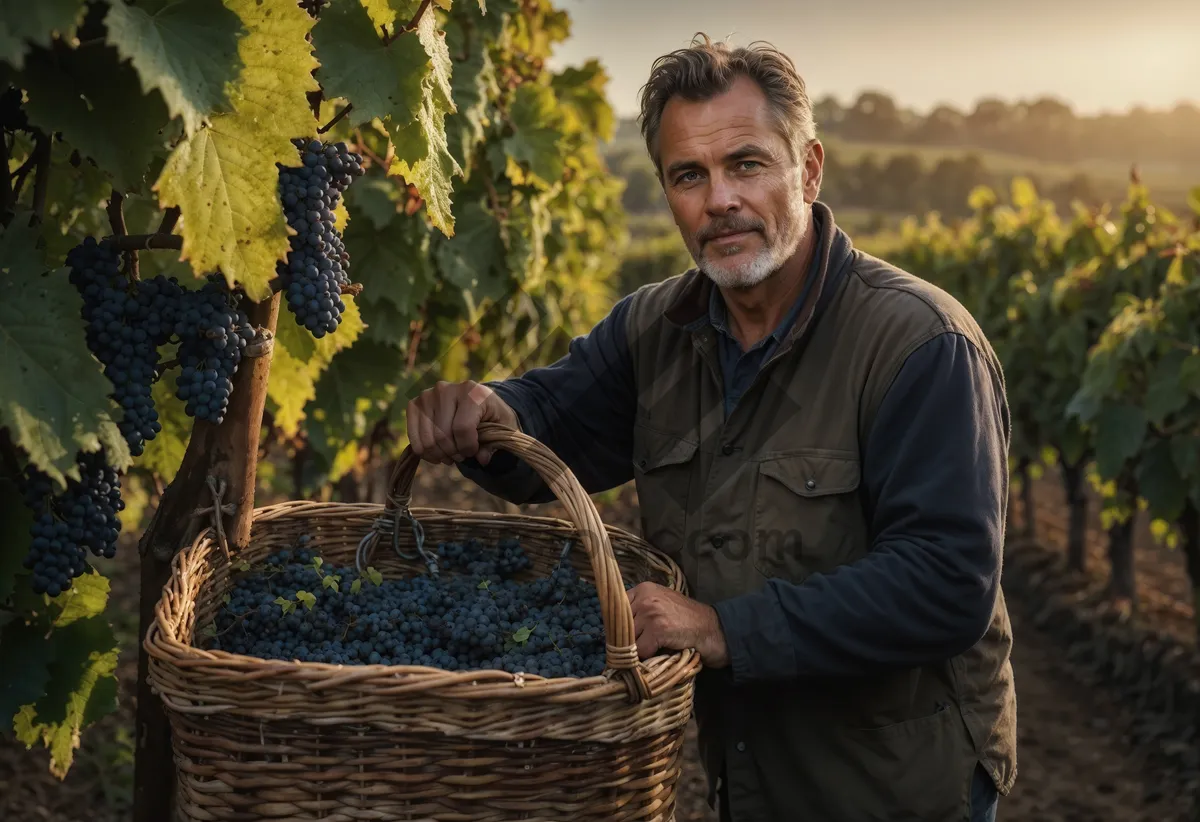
<point x="1044" y="128"/>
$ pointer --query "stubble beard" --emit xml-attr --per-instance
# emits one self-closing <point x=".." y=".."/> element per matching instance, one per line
<point x="765" y="262"/>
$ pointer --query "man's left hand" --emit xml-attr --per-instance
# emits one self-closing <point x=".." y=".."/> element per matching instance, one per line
<point x="666" y="620"/>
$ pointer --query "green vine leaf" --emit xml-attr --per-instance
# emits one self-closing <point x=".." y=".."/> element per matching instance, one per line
<point x="96" y="101"/>
<point x="82" y="688"/>
<point x="22" y="23"/>
<point x="330" y="582"/>
<point x="224" y="177"/>
<point x="375" y="577"/>
<point x="186" y="49"/>
<point x="535" y="143"/>
<point x="356" y="586"/>
<point x="53" y="393"/>
<point x="308" y="599"/>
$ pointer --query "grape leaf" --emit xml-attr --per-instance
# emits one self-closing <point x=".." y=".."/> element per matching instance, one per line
<point x="474" y="85"/>
<point x="77" y="693"/>
<point x="584" y="89"/>
<point x="1159" y="482"/>
<point x="1189" y="374"/>
<point x="186" y="49"/>
<point x="1194" y="199"/>
<point x="422" y="153"/>
<point x="164" y="453"/>
<point x="96" y="101"/>
<point x="1119" y="432"/>
<point x="1166" y="394"/>
<point x="392" y="262"/>
<point x="298" y="361"/>
<point x="535" y="142"/>
<point x="223" y="177"/>
<point x="385" y="12"/>
<point x="376" y="199"/>
<point x="351" y="394"/>
<point x="23" y="22"/>
<point x="15" y="520"/>
<point x="468" y="259"/>
<point x="53" y="393"/>
<point x="25" y="658"/>
<point x="86" y="598"/>
<point x="382" y="80"/>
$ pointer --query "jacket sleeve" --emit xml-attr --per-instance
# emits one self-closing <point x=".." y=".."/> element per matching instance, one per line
<point x="582" y="407"/>
<point x="935" y="472"/>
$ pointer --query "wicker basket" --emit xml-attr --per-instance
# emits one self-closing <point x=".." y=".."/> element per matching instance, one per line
<point x="275" y="740"/>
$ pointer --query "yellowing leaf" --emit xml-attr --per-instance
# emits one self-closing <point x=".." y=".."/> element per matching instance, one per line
<point x="224" y="177"/>
<point x="299" y="359"/>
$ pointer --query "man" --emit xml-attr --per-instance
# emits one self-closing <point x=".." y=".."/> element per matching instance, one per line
<point x="820" y="441"/>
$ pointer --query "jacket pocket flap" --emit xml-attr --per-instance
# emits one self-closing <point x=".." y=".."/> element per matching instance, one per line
<point x="811" y="475"/>
<point x="657" y="449"/>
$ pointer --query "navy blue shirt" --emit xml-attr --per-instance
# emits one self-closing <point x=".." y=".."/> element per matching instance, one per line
<point x="738" y="367"/>
<point x="935" y="469"/>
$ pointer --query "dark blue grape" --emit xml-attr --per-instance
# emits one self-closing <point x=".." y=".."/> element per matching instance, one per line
<point x="68" y="524"/>
<point x="317" y="264"/>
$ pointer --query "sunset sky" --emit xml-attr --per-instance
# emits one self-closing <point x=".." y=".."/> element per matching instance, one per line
<point x="1094" y="54"/>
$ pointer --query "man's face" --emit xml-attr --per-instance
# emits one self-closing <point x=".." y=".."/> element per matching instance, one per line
<point x="740" y="201"/>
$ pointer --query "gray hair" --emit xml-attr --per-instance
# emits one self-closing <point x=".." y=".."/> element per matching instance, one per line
<point x="705" y="69"/>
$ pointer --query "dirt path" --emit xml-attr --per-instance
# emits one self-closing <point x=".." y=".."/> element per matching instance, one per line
<point x="1076" y="764"/>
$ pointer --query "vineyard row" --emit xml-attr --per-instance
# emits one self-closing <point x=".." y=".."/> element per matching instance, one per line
<point x="1096" y="319"/>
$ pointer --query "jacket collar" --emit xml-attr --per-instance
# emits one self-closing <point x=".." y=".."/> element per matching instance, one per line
<point x="833" y="256"/>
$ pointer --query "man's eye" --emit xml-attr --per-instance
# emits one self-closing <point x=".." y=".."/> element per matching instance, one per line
<point x="749" y="164"/>
<point x="686" y="177"/>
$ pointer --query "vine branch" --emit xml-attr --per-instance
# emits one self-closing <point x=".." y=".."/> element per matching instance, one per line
<point x="7" y="198"/>
<point x="336" y="118"/>
<point x="41" y="178"/>
<point x="145" y="242"/>
<point x="116" y="219"/>
<point x="170" y="218"/>
<point x="409" y="26"/>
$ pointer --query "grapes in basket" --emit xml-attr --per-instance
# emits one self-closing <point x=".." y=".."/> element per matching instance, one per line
<point x="482" y="616"/>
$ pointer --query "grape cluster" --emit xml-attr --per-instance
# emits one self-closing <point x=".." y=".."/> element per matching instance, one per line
<point x="489" y="614"/>
<point x="213" y="334"/>
<point x="125" y="325"/>
<point x="67" y="525"/>
<point x="317" y="263"/>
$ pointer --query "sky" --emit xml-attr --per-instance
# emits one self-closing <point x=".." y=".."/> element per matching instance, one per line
<point x="1095" y="55"/>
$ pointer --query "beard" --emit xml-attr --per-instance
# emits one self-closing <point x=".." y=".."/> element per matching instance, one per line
<point x="724" y="266"/>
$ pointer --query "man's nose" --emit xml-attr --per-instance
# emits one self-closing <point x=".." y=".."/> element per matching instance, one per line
<point x="723" y="196"/>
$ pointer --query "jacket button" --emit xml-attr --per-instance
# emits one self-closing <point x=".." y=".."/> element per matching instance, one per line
<point x="741" y="746"/>
<point x="717" y="541"/>
<point x="810" y="485"/>
<point x="642" y="463"/>
<point x="727" y="449"/>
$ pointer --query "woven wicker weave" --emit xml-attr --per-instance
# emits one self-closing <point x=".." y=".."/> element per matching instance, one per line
<point x="274" y="740"/>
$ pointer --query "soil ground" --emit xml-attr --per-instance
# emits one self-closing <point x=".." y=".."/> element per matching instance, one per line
<point x="1076" y="762"/>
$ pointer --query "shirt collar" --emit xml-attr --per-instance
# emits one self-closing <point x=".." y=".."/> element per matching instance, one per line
<point x="718" y="314"/>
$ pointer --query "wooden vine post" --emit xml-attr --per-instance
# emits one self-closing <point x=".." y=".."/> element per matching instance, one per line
<point x="214" y="486"/>
<point x="224" y="456"/>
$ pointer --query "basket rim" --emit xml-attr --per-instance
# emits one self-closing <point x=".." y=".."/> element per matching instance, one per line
<point x="662" y="672"/>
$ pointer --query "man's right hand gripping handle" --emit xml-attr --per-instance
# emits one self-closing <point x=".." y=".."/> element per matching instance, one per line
<point x="443" y="421"/>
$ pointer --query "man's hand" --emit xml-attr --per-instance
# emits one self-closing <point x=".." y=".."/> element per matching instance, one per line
<point x="443" y="421"/>
<point x="666" y="620"/>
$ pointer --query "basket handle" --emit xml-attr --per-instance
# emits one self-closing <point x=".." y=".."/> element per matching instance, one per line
<point x="621" y="641"/>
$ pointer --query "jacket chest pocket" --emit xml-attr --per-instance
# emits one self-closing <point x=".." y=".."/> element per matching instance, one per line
<point x="662" y="470"/>
<point x="808" y="517"/>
